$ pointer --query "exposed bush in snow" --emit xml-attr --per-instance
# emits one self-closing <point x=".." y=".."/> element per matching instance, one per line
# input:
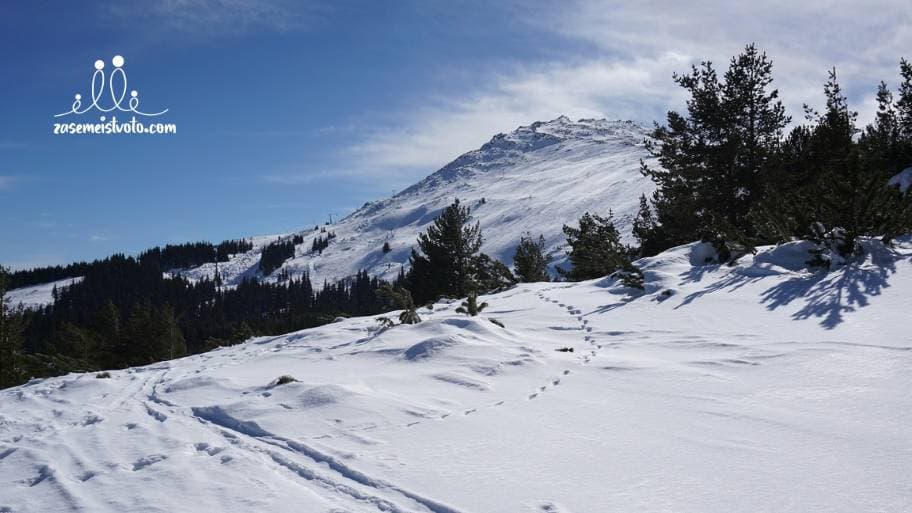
<point x="471" y="306"/>
<point x="284" y="380"/>
<point x="631" y="277"/>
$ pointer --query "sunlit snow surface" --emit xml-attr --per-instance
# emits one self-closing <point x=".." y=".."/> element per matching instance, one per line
<point x="757" y="387"/>
<point x="38" y="295"/>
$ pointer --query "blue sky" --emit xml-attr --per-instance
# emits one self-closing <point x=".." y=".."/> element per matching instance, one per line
<point x="289" y="111"/>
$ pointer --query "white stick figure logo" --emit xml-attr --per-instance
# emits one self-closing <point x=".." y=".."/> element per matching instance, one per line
<point x="117" y="85"/>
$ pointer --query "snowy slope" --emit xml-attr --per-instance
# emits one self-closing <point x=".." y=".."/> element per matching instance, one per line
<point x="38" y="295"/>
<point x="534" y="179"/>
<point x="759" y="387"/>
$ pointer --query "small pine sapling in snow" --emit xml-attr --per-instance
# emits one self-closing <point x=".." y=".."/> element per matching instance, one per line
<point x="631" y="276"/>
<point x="409" y="316"/>
<point x="385" y="322"/>
<point x="820" y="255"/>
<point x="830" y="246"/>
<point x="402" y="299"/>
<point x="386" y="247"/>
<point x="471" y="306"/>
<point x="727" y="251"/>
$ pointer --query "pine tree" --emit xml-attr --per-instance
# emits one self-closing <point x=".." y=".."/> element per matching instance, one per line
<point x="837" y="194"/>
<point x="75" y="342"/>
<point x="386" y="247"/>
<point x="217" y="279"/>
<point x="530" y="261"/>
<point x="647" y="232"/>
<point x="241" y="332"/>
<point x="443" y="265"/>
<point x="595" y="248"/>
<point x="107" y="328"/>
<point x="904" y="104"/>
<point x="830" y="186"/>
<point x="137" y="345"/>
<point x="488" y="275"/>
<point x="471" y="306"/>
<point x="714" y="159"/>
<point x="11" y="372"/>
<point x="173" y="344"/>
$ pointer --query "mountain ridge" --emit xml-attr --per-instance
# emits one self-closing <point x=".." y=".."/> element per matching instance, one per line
<point x="533" y="179"/>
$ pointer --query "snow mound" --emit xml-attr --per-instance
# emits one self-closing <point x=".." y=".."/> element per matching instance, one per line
<point x="427" y="348"/>
<point x="702" y="253"/>
<point x="314" y="397"/>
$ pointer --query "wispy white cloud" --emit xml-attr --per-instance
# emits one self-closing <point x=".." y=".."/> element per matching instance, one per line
<point x="430" y="136"/>
<point x="6" y="181"/>
<point x="218" y="18"/>
<point x="630" y="50"/>
<point x="864" y="40"/>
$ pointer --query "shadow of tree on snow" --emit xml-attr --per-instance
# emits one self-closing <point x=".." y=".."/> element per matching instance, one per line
<point x="828" y="296"/>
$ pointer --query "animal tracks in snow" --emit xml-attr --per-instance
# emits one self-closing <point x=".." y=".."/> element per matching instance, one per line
<point x="581" y="324"/>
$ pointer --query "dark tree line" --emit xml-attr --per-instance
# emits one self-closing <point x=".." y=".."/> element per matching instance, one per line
<point x="321" y="242"/>
<point x="171" y="256"/>
<point x="11" y="371"/>
<point x="275" y="254"/>
<point x="126" y="312"/>
<point x="731" y="175"/>
<point x="39" y="275"/>
<point x="194" y="254"/>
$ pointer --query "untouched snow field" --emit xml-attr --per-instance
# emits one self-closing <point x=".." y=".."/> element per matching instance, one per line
<point x="754" y="388"/>
<point x="39" y="295"/>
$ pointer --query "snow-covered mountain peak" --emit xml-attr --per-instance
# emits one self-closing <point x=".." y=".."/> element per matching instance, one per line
<point x="534" y="179"/>
<point x="536" y="141"/>
<point x="544" y="133"/>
